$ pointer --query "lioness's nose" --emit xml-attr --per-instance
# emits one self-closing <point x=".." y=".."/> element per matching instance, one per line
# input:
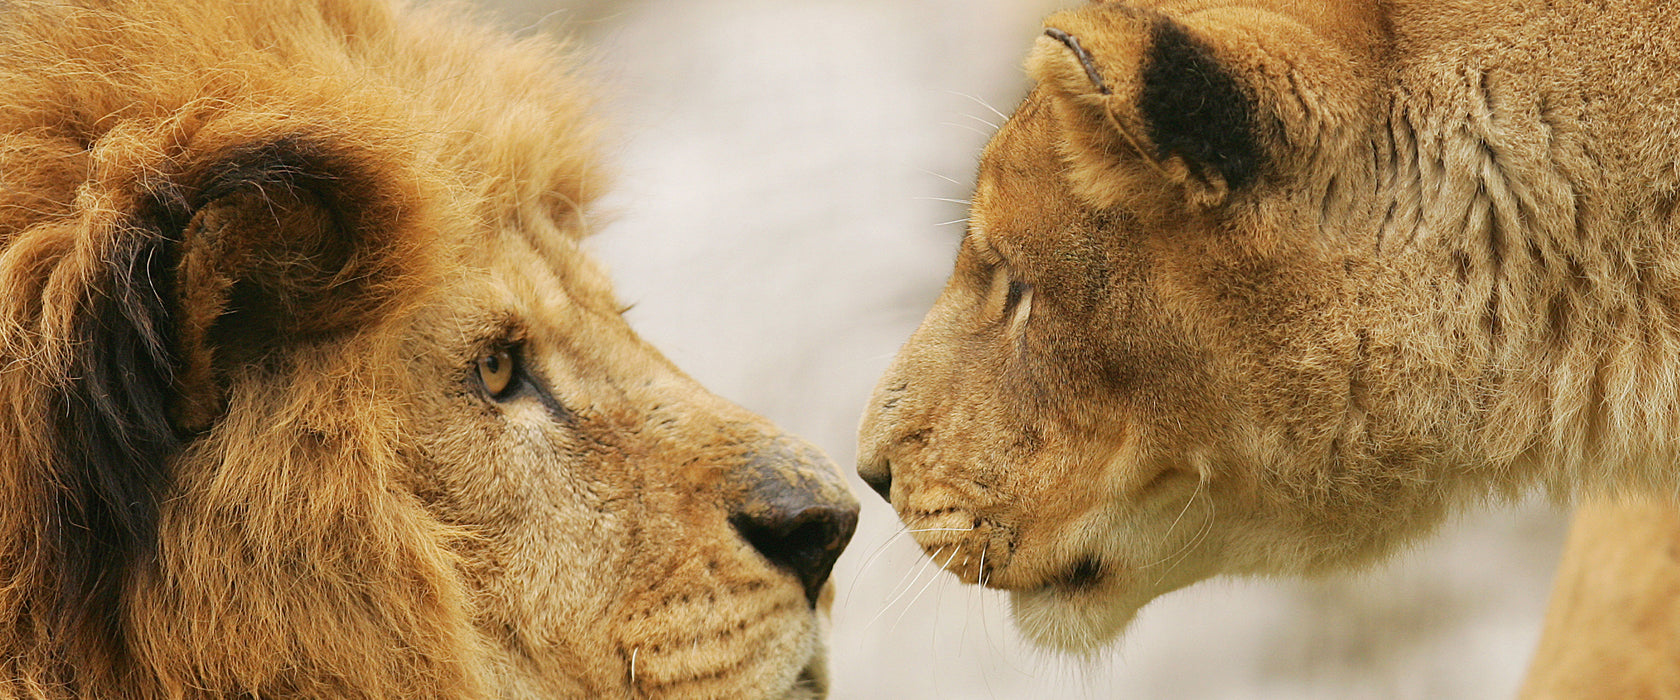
<point x="795" y="510"/>
<point x="878" y="474"/>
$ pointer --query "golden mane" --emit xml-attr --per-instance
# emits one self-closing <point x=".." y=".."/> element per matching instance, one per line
<point x="121" y="119"/>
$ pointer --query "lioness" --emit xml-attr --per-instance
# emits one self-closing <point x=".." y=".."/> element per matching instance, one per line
<point x="307" y="388"/>
<point x="1269" y="287"/>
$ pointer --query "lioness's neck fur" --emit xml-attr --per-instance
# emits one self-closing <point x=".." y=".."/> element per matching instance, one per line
<point x="1535" y="203"/>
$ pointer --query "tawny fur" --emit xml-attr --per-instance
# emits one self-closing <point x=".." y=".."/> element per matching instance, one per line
<point x="1450" y="278"/>
<point x="308" y="219"/>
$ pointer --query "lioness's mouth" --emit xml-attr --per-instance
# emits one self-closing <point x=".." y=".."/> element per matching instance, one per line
<point x="1085" y="574"/>
<point x="812" y="683"/>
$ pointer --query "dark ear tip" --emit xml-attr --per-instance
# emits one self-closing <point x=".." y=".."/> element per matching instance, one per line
<point x="1196" y="108"/>
<point x="1079" y="52"/>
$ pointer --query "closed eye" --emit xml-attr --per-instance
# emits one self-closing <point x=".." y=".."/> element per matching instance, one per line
<point x="1017" y="306"/>
<point x="1012" y="297"/>
<point x="1009" y="301"/>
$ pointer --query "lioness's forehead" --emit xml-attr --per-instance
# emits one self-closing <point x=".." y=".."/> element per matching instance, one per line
<point x="1021" y="194"/>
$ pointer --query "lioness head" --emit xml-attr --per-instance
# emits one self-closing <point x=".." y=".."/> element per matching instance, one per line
<point x="1186" y="333"/>
<point x="310" y="390"/>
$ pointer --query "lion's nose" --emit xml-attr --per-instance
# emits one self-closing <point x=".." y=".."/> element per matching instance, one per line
<point x="796" y="511"/>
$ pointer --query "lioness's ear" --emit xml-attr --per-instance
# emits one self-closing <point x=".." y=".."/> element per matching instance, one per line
<point x="1211" y="102"/>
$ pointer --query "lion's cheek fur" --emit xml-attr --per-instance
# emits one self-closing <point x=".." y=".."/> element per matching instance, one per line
<point x="312" y="391"/>
<point x="251" y="549"/>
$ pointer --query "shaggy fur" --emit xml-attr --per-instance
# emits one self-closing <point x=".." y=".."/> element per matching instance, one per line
<point x="1450" y="275"/>
<point x="261" y="264"/>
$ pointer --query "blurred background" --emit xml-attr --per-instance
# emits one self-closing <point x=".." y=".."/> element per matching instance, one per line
<point x="782" y="220"/>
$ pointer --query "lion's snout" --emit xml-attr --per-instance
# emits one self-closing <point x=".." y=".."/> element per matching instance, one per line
<point x="795" y="510"/>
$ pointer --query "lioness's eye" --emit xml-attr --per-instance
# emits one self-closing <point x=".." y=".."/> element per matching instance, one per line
<point x="495" y="371"/>
<point x="1012" y="297"/>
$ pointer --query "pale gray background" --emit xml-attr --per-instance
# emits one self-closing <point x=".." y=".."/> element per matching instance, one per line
<point x="777" y="222"/>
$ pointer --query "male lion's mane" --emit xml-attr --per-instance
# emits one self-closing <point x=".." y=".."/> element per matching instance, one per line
<point x="154" y="460"/>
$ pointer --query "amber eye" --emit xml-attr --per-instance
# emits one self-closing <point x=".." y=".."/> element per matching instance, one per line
<point x="495" y="370"/>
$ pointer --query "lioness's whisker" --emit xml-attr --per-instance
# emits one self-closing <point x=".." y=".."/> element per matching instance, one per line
<point x="931" y="581"/>
<point x="1189" y="547"/>
<point x="880" y="548"/>
<point x="912" y="578"/>
<point x="943" y="529"/>
<point x="1174" y="524"/>
<point x="982" y="103"/>
<point x="970" y="127"/>
<point x="963" y="220"/>
<point x="946" y="178"/>
<point x="982" y="121"/>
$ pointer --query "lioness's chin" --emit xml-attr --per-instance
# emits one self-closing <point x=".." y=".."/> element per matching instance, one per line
<point x="1071" y="620"/>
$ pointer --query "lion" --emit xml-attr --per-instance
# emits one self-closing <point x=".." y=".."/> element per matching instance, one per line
<point x="1271" y="287"/>
<point x="310" y="389"/>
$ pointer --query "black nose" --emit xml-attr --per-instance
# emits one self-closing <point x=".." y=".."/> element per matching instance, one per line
<point x="796" y="512"/>
<point x="878" y="475"/>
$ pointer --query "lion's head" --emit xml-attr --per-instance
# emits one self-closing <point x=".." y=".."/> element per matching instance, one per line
<point x="311" y="391"/>
<point x="1267" y="288"/>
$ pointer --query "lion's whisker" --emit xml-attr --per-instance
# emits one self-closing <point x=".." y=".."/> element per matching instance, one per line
<point x="1194" y="542"/>
<point x="970" y="127"/>
<point x="982" y="121"/>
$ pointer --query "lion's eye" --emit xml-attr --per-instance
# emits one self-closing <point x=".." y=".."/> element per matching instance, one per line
<point x="495" y="370"/>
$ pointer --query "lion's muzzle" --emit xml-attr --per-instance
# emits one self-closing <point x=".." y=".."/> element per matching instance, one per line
<point x="795" y="510"/>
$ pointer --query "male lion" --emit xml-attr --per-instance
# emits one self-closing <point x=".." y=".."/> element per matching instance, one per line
<point x="1271" y="286"/>
<point x="309" y="390"/>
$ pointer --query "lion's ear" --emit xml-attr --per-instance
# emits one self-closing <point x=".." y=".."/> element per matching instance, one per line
<point x="284" y="242"/>
<point x="183" y="271"/>
<point x="1212" y="102"/>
